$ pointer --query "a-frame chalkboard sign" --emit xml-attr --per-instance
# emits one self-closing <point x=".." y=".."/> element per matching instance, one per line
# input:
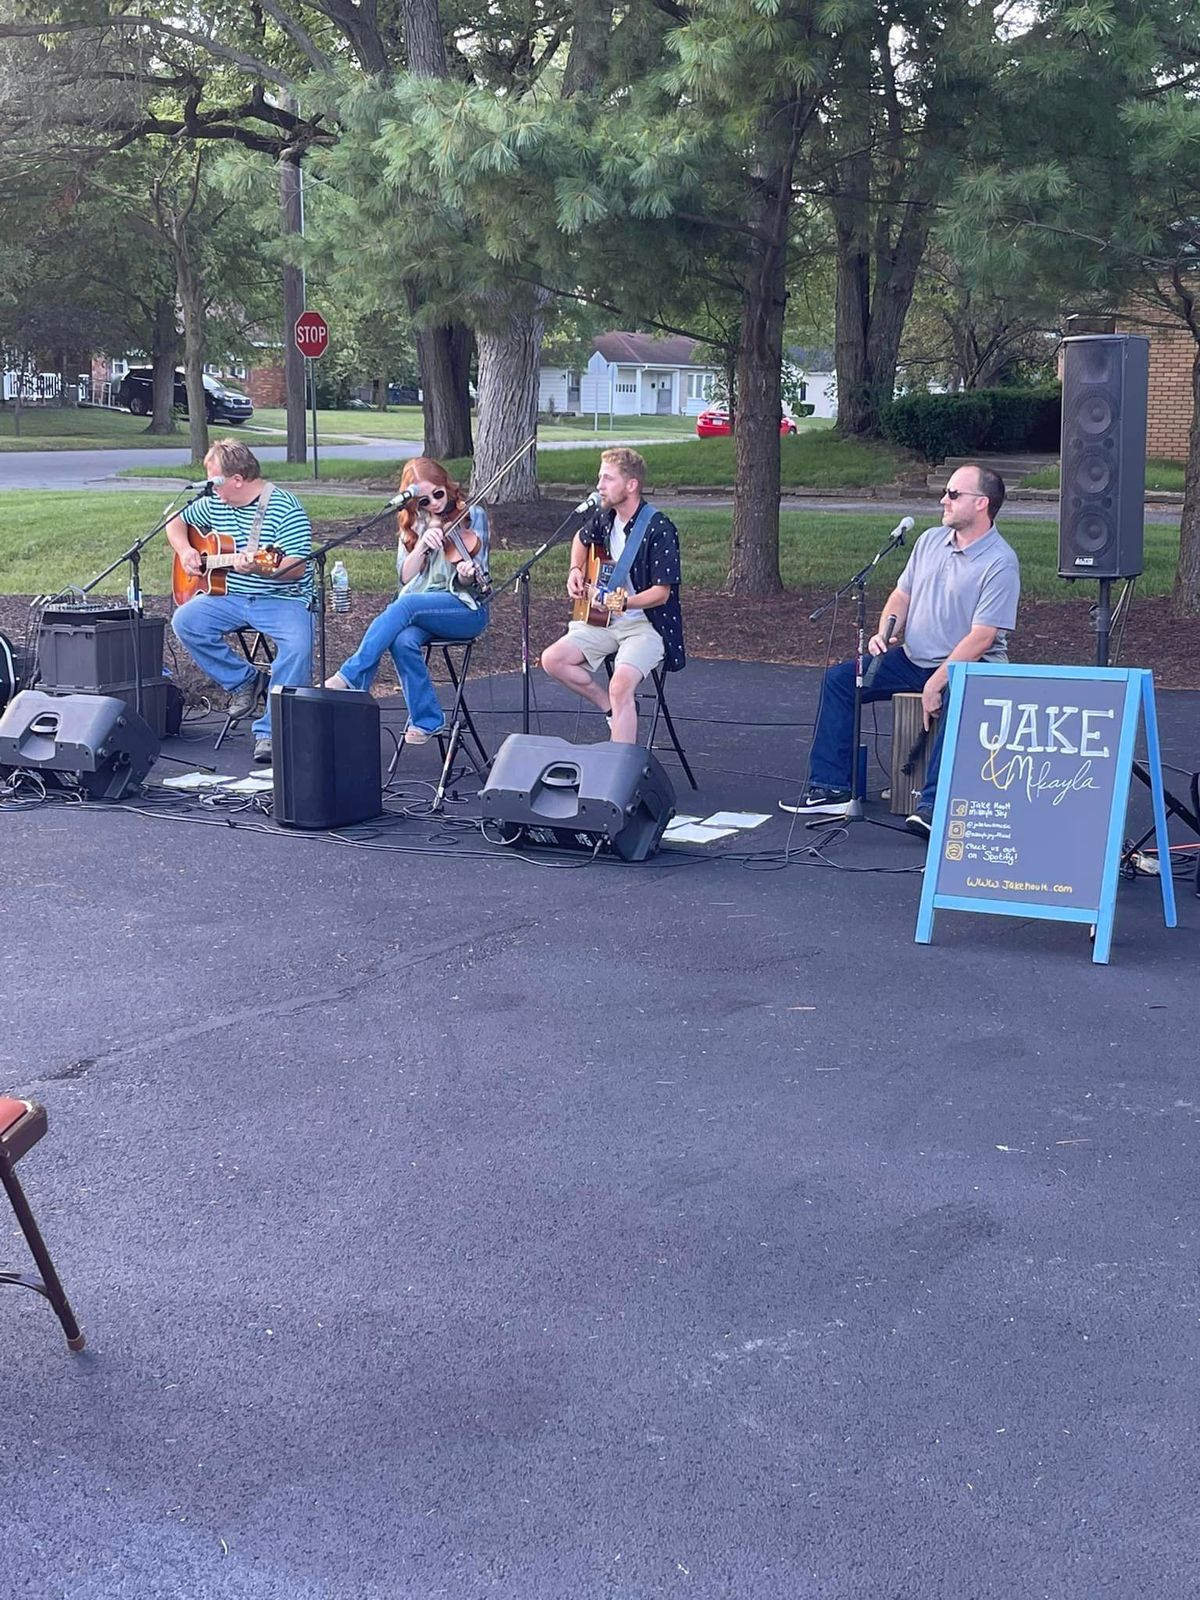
<point x="1034" y="786"/>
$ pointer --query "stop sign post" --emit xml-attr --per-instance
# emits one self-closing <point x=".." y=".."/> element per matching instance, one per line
<point x="312" y="341"/>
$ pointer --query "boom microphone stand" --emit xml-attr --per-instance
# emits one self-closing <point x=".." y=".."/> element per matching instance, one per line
<point x="520" y="582"/>
<point x="858" y="779"/>
<point x="317" y="603"/>
<point x="134" y="557"/>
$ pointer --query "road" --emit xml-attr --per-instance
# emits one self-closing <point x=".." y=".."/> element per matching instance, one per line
<point x="98" y="469"/>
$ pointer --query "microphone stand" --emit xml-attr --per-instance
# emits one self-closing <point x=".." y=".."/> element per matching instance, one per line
<point x="520" y="582"/>
<point x="317" y="603"/>
<point x="134" y="592"/>
<point x="858" y="780"/>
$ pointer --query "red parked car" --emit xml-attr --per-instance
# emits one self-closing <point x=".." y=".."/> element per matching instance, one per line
<point x="712" y="424"/>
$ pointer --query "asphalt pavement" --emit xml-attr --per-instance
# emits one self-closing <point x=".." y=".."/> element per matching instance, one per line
<point x="453" y="1221"/>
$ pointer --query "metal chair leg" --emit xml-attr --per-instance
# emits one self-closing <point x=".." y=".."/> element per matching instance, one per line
<point x="48" y="1285"/>
<point x="660" y="705"/>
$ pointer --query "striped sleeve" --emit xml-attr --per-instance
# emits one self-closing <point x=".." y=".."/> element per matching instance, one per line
<point x="287" y="526"/>
<point x="199" y="513"/>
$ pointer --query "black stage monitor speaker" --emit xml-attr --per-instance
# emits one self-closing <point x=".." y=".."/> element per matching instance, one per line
<point x="325" y="754"/>
<point x="88" y="741"/>
<point x="1102" y="502"/>
<point x="575" y="796"/>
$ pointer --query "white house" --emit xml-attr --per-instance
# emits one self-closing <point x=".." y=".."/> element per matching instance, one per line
<point x="634" y="375"/>
<point x="644" y="374"/>
<point x="818" y="380"/>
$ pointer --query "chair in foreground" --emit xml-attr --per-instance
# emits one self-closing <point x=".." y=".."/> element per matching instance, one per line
<point x="22" y="1124"/>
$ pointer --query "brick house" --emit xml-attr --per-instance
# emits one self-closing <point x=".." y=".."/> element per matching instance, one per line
<point x="1172" y="356"/>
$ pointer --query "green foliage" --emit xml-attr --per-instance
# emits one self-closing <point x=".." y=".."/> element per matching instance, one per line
<point x="939" y="425"/>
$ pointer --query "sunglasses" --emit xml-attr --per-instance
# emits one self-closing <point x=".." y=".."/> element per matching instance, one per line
<point x="960" y="494"/>
<point x="437" y="494"/>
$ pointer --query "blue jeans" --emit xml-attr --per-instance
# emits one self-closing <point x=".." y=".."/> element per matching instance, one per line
<point x="405" y="628"/>
<point x="832" y="760"/>
<point x="201" y="626"/>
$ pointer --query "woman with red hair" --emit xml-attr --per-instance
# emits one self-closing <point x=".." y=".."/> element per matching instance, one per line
<point x="437" y="598"/>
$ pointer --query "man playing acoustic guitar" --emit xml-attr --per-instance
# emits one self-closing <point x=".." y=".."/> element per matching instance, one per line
<point x="267" y="582"/>
<point x="638" y="621"/>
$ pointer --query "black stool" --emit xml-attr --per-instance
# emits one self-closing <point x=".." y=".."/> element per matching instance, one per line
<point x="659" y="679"/>
<point x="260" y="653"/>
<point x="22" y="1124"/>
<point x="460" y="729"/>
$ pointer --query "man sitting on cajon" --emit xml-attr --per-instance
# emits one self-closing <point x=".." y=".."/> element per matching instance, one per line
<point x="955" y="601"/>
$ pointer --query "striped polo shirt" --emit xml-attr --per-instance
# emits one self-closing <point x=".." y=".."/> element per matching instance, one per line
<point x="286" y="525"/>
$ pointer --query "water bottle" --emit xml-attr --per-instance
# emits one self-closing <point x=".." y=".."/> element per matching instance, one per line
<point x="339" y="580"/>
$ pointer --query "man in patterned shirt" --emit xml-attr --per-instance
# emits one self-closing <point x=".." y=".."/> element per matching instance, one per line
<point x="275" y="603"/>
<point x="647" y="631"/>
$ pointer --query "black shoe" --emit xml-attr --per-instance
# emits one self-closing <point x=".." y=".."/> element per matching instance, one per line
<point x="921" y="822"/>
<point x="820" y="802"/>
<point x="244" y="698"/>
<point x="262" y="752"/>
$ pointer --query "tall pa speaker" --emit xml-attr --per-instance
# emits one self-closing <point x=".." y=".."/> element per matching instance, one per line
<point x="325" y="757"/>
<point x="92" y="742"/>
<point x="1102" y="501"/>
<point x="578" y="796"/>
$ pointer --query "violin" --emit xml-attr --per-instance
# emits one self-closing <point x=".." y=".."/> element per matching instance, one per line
<point x="460" y="541"/>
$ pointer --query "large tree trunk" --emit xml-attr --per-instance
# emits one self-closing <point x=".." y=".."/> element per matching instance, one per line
<point x="1187" y="572"/>
<point x="444" y="353"/>
<point x="163" y="350"/>
<point x="292" y="226"/>
<point x="754" y="550"/>
<point x="510" y="353"/>
<point x="191" y="296"/>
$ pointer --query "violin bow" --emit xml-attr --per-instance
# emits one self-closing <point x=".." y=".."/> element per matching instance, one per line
<point x="501" y="472"/>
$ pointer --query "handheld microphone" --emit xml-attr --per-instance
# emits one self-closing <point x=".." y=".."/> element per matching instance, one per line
<point x="592" y="503"/>
<point x="206" y="487"/>
<point x="905" y="525"/>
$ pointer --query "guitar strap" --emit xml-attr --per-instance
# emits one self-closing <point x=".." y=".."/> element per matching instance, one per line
<point x="260" y="513"/>
<point x="635" y="533"/>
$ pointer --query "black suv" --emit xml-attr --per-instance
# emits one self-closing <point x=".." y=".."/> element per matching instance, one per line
<point x="220" y="404"/>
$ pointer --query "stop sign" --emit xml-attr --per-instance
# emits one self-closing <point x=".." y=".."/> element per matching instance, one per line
<point x="312" y="334"/>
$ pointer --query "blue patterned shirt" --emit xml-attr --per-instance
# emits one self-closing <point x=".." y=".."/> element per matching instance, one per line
<point x="656" y="562"/>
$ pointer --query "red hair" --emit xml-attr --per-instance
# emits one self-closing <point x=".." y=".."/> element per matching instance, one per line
<point x="424" y="469"/>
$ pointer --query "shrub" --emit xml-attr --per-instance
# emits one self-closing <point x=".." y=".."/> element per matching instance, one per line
<point x="941" y="425"/>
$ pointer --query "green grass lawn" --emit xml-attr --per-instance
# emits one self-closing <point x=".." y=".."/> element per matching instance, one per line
<point x="82" y="428"/>
<point x="1160" y="475"/>
<point x="813" y="460"/>
<point x="406" y="422"/>
<point x="50" y="539"/>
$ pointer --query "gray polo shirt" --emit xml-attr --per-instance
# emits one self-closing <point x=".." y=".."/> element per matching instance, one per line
<point x="950" y="589"/>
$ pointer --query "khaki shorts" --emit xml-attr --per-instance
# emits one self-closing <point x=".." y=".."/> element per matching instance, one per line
<point x="632" y="640"/>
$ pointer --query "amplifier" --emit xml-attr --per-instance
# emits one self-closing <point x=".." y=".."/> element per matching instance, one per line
<point x="574" y="797"/>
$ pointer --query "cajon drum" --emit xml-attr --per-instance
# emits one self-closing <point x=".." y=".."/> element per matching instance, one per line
<point x="910" y="753"/>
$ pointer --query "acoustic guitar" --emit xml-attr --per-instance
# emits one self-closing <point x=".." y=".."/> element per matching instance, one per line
<point x="217" y="555"/>
<point x="598" y="604"/>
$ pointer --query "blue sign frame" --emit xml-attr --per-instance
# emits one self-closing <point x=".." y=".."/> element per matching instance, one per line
<point x="1139" y="695"/>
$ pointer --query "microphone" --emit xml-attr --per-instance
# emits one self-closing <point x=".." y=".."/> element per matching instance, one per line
<point x="905" y="525"/>
<point x="206" y="487"/>
<point x="415" y="491"/>
<point x="592" y="503"/>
